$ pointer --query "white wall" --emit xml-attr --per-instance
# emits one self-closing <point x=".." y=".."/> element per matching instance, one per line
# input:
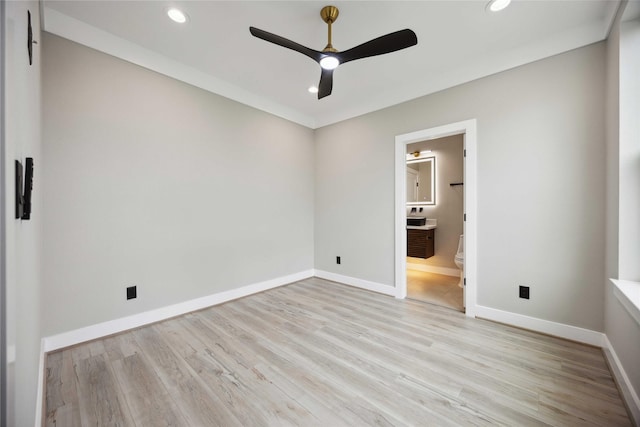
<point x="23" y="238"/>
<point x="540" y="186"/>
<point x="449" y="207"/>
<point x="155" y="183"/>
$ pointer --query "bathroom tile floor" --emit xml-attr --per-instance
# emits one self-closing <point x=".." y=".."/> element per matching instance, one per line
<point x="435" y="289"/>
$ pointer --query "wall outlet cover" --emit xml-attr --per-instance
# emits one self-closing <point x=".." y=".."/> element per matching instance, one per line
<point x="524" y="292"/>
<point x="131" y="292"/>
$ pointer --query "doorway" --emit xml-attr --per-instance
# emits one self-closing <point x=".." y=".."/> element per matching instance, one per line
<point x="468" y="131"/>
<point x="435" y="195"/>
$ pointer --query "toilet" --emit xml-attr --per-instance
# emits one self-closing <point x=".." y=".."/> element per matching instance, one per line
<point x="459" y="259"/>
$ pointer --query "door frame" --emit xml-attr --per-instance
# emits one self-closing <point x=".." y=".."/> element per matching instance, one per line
<point x="468" y="129"/>
<point x="3" y="209"/>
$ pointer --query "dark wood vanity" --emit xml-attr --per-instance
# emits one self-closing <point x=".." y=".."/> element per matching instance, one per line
<point x="420" y="243"/>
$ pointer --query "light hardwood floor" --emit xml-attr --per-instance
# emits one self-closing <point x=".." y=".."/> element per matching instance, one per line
<point x="435" y="289"/>
<point x="316" y="353"/>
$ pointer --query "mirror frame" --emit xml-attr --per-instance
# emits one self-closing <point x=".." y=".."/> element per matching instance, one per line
<point x="431" y="159"/>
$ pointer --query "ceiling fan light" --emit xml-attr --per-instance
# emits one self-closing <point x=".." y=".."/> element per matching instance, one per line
<point x="313" y="89"/>
<point x="497" y="5"/>
<point x="329" y="62"/>
<point x="177" y="15"/>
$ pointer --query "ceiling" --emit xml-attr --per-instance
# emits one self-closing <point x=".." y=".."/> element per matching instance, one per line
<point x="458" y="41"/>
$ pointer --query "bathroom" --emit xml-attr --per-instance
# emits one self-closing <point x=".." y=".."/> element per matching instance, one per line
<point x="435" y="192"/>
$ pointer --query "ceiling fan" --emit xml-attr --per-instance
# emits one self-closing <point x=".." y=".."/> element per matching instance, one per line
<point x="329" y="58"/>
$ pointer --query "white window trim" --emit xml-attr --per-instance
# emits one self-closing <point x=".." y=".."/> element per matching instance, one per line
<point x="628" y="293"/>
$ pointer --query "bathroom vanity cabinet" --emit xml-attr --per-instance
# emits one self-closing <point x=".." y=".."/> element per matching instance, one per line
<point x="420" y="243"/>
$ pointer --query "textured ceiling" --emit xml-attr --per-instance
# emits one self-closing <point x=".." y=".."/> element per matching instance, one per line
<point x="458" y="41"/>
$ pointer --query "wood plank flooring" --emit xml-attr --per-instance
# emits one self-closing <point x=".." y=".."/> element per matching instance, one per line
<point x="317" y="353"/>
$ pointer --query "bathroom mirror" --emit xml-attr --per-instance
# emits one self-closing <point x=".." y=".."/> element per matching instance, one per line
<point x="421" y="181"/>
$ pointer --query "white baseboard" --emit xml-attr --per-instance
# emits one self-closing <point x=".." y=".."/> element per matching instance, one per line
<point x="355" y="282"/>
<point x="629" y="394"/>
<point x="433" y="269"/>
<point x="111" y="327"/>
<point x="573" y="333"/>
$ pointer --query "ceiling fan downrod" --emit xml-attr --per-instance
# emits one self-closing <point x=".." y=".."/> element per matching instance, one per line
<point x="329" y="15"/>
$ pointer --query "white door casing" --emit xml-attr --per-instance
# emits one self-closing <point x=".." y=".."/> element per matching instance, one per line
<point x="468" y="129"/>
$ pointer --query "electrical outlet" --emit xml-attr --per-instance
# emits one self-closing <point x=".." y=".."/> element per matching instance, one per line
<point x="337" y="260"/>
<point x="131" y="292"/>
<point x="524" y="292"/>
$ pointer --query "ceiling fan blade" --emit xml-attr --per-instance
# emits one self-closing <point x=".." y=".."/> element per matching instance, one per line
<point x="326" y="83"/>
<point x="379" y="46"/>
<point x="281" y="41"/>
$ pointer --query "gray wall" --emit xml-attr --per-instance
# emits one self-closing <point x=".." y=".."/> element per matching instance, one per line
<point x="23" y="238"/>
<point x="155" y="183"/>
<point x="449" y="206"/>
<point x="541" y="188"/>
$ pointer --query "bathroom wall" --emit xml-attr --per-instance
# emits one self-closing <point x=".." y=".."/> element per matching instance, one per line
<point x="23" y="239"/>
<point x="540" y="186"/>
<point x="151" y="182"/>
<point x="449" y="207"/>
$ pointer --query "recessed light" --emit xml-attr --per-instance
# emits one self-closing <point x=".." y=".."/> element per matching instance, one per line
<point x="177" y="15"/>
<point x="313" y="89"/>
<point x="496" y="5"/>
